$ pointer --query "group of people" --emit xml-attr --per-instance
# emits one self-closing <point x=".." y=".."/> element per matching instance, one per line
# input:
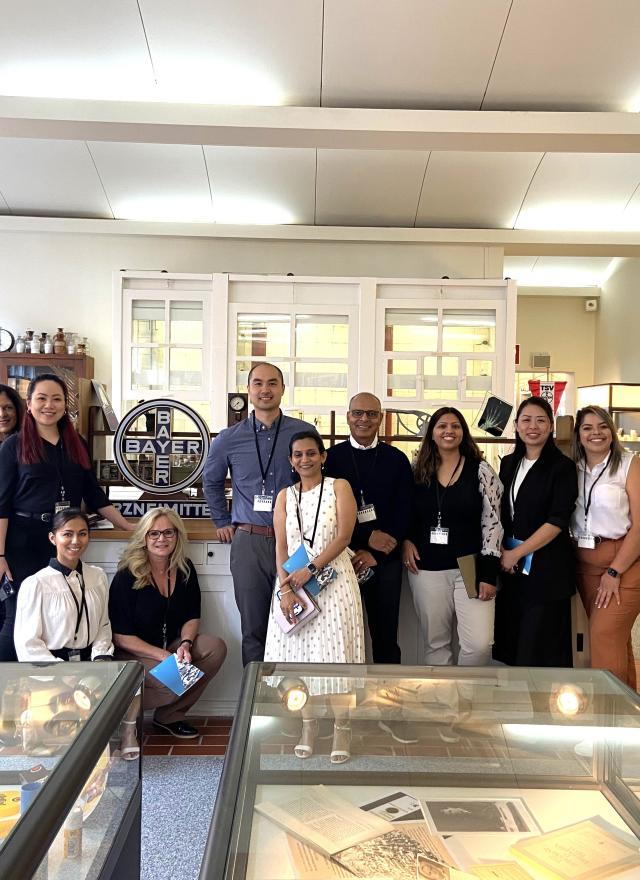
<point x="362" y="513"/>
<point x="53" y="607"/>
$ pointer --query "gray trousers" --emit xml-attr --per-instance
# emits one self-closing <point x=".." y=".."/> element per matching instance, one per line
<point x="253" y="567"/>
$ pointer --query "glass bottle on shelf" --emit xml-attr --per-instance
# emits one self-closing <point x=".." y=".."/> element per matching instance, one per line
<point x="48" y="344"/>
<point x="59" y="343"/>
<point x="80" y="346"/>
<point x="70" y="338"/>
<point x="20" y="346"/>
<point x="35" y="344"/>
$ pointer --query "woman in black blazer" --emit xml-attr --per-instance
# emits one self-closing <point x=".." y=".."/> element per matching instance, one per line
<point x="533" y="611"/>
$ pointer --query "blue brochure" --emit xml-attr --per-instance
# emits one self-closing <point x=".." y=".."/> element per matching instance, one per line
<point x="525" y="563"/>
<point x="178" y="677"/>
<point x="300" y="559"/>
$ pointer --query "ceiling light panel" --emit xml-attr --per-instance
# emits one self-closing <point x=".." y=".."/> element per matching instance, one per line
<point x="569" y="55"/>
<point x="253" y="185"/>
<point x="475" y="190"/>
<point x="75" y="49"/>
<point x="161" y="182"/>
<point x="574" y="192"/>
<point x="368" y="187"/>
<point x="557" y="271"/>
<point x="53" y="178"/>
<point x="243" y="52"/>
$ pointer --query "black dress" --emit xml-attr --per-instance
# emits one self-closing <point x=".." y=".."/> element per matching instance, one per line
<point x="533" y="612"/>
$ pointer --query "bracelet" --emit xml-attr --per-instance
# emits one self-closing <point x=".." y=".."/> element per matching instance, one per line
<point x="284" y="592"/>
<point x="185" y="641"/>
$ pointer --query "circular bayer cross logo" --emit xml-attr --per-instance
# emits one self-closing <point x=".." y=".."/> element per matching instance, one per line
<point x="152" y="456"/>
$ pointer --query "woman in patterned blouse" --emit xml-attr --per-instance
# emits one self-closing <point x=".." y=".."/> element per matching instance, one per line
<point x="456" y="512"/>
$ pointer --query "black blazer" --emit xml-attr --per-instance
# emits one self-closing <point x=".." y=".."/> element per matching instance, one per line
<point x="547" y="494"/>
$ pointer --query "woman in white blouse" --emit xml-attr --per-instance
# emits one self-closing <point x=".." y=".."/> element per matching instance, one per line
<point x="606" y="528"/>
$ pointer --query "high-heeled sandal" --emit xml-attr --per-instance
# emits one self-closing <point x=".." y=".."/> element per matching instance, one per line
<point x="132" y="752"/>
<point x="341" y="746"/>
<point x="310" y="728"/>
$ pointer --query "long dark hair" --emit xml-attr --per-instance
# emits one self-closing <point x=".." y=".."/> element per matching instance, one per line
<point x="429" y="459"/>
<point x="541" y="403"/>
<point x="616" y="448"/>
<point x="18" y="405"/>
<point x="30" y="446"/>
<point x="62" y="517"/>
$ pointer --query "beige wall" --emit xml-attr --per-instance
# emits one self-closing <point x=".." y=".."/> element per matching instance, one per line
<point x="51" y="280"/>
<point x="618" y="329"/>
<point x="560" y="326"/>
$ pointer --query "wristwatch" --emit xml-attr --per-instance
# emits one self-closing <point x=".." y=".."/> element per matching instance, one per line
<point x="613" y="573"/>
<point x="312" y="567"/>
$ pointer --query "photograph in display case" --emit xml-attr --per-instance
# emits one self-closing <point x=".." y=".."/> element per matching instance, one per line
<point x="479" y="816"/>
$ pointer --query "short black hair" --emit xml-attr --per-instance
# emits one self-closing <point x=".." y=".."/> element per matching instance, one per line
<point x="309" y="434"/>
<point x="264" y="364"/>
<point x="62" y="517"/>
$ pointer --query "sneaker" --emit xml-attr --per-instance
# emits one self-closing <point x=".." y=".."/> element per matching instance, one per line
<point x="179" y="729"/>
<point x="398" y="730"/>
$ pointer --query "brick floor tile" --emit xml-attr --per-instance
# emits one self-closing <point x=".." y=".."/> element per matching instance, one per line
<point x="198" y="750"/>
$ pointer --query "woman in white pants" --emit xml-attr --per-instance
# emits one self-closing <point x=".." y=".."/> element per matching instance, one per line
<point x="456" y="512"/>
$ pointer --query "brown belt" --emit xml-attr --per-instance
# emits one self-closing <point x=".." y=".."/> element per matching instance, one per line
<point x="267" y="531"/>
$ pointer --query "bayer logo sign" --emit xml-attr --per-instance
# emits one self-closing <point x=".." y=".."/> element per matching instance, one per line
<point x="152" y="455"/>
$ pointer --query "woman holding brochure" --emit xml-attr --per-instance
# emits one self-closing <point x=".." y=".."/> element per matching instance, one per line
<point x="318" y="513"/>
<point x="606" y="529"/>
<point x="533" y="607"/>
<point x="154" y="606"/>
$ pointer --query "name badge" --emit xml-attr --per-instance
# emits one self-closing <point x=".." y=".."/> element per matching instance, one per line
<point x="262" y="502"/>
<point x="61" y="505"/>
<point x="587" y="542"/>
<point x="439" y="535"/>
<point x="74" y="655"/>
<point x="366" y="513"/>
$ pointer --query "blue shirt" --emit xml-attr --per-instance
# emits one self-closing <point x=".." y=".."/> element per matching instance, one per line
<point x="234" y="450"/>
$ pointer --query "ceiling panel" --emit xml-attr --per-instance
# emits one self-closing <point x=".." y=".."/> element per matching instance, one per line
<point x="475" y="189"/>
<point x="557" y="271"/>
<point x="79" y="48"/>
<point x="577" y="191"/>
<point x="569" y="55"/>
<point x="251" y="185"/>
<point x="43" y="177"/>
<point x="369" y="187"/>
<point x="154" y="181"/>
<point x="245" y="52"/>
<point x="409" y="53"/>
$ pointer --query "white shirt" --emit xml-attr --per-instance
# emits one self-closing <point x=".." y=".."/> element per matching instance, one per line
<point x="523" y="469"/>
<point x="46" y="614"/>
<point x="609" y="515"/>
<point x="357" y="445"/>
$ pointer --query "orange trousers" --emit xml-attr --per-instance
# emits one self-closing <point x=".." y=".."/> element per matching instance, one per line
<point x="610" y="628"/>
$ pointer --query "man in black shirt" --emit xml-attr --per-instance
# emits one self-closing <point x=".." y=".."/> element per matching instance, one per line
<point x="382" y="483"/>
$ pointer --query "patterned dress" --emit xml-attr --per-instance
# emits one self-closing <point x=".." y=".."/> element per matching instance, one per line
<point x="337" y="634"/>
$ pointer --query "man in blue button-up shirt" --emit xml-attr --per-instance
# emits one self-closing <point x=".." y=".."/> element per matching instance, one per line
<point x="256" y="454"/>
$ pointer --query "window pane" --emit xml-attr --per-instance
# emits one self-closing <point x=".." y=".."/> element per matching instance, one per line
<point x="147" y="321"/>
<point x="180" y="420"/>
<point x="263" y="336"/>
<point x="147" y="368"/>
<point x="321" y="384"/>
<point x="401" y="378"/>
<point x="186" y="322"/>
<point x="322" y="422"/>
<point x="471" y="330"/>
<point x="441" y="378"/>
<point x="322" y="336"/>
<point x="242" y="377"/>
<point x="185" y="369"/>
<point x="479" y="378"/>
<point x="411" y="330"/>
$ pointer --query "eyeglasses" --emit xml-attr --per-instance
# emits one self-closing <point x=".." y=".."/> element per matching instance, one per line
<point x="369" y="413"/>
<point x="156" y="534"/>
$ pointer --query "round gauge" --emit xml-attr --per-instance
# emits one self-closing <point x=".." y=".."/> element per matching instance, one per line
<point x="236" y="403"/>
<point x="7" y="339"/>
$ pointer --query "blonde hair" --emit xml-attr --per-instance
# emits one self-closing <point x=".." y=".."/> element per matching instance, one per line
<point x="136" y="555"/>
<point x="577" y="449"/>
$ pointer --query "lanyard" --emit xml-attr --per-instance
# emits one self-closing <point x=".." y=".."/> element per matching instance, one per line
<point x="59" y="463"/>
<point x="357" y="472"/>
<point x="79" y="607"/>
<point x="166" y="607"/>
<point x="439" y="501"/>
<point x="299" y="514"/>
<point x="265" y="470"/>
<point x="587" y="499"/>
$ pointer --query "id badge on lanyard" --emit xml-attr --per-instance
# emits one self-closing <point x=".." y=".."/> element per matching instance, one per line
<point x="74" y="655"/>
<point x="61" y="504"/>
<point x="586" y="542"/>
<point x="439" y="535"/>
<point x="366" y="513"/>
<point x="263" y="501"/>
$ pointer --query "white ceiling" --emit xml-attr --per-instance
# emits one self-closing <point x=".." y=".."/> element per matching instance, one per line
<point x="436" y="55"/>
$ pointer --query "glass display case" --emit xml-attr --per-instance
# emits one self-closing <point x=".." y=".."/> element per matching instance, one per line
<point x="429" y="772"/>
<point x="70" y="793"/>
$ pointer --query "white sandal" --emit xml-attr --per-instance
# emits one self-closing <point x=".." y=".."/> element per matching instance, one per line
<point x="341" y="746"/>
<point x="310" y="728"/>
<point x="130" y="753"/>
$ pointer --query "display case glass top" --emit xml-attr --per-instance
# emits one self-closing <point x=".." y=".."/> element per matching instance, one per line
<point x="336" y="771"/>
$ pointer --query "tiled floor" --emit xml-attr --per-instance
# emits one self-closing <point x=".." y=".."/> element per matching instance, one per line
<point x="213" y="739"/>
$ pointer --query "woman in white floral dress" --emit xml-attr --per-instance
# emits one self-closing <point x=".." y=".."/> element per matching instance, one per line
<point x="319" y="512"/>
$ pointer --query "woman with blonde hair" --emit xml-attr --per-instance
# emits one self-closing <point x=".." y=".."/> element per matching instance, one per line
<point x="606" y="529"/>
<point x="154" y="606"/>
